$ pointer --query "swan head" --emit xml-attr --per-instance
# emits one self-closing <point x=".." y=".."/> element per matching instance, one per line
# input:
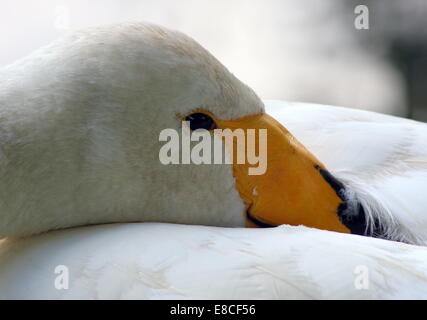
<point x="92" y="107"/>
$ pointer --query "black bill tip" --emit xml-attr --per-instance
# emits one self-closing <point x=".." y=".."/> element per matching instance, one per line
<point x="352" y="216"/>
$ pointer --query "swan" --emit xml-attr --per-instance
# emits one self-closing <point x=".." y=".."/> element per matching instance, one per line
<point x="79" y="145"/>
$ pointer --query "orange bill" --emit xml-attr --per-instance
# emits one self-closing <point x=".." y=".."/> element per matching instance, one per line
<point x="291" y="187"/>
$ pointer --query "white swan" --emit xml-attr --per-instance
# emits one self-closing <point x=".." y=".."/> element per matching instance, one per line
<point x="79" y="144"/>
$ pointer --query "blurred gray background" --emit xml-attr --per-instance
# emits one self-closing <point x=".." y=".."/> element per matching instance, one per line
<point x="300" y="50"/>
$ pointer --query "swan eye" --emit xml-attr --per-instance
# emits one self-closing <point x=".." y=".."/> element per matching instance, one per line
<point x="200" y="120"/>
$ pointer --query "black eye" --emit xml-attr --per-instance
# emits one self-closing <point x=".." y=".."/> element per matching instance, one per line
<point x="200" y="121"/>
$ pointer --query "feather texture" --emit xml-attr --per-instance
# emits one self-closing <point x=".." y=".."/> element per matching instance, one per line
<point x="381" y="159"/>
<point x="161" y="261"/>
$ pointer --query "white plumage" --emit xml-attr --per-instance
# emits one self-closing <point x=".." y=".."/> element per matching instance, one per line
<point x="161" y="261"/>
<point x="383" y="160"/>
<point x="79" y="124"/>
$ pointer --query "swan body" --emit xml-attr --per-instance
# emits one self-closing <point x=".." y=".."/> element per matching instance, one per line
<point x="165" y="261"/>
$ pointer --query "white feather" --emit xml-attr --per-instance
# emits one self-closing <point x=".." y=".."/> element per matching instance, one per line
<point x="381" y="159"/>
<point x="161" y="261"/>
